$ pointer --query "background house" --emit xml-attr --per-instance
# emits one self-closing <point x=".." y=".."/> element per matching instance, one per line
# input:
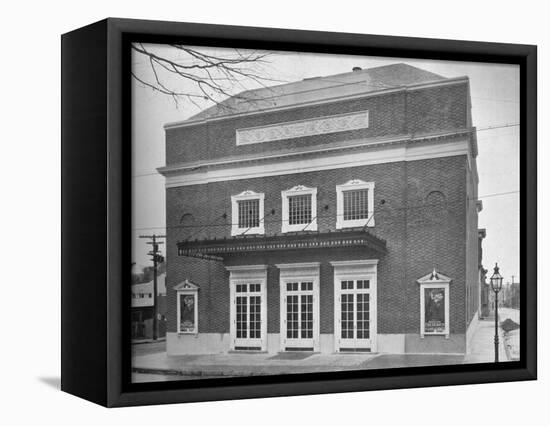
<point x="142" y="306"/>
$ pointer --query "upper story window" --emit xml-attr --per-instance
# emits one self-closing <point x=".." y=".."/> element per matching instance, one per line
<point x="247" y="213"/>
<point x="299" y="209"/>
<point x="355" y="204"/>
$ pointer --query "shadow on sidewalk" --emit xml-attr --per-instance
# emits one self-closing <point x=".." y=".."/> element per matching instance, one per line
<point x="54" y="382"/>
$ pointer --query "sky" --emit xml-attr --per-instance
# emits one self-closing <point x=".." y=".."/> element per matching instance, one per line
<point x="495" y="103"/>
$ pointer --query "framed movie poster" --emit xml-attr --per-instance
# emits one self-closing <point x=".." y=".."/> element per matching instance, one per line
<point x="435" y="304"/>
<point x="290" y="212"/>
<point x="434" y="314"/>
<point x="187" y="313"/>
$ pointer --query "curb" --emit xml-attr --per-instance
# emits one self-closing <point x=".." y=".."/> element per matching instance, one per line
<point x="197" y="373"/>
<point x="502" y="338"/>
<point x="507" y="349"/>
<point x="143" y="342"/>
<point x="226" y="372"/>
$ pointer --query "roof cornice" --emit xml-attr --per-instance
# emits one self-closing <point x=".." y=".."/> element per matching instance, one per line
<point x="359" y="144"/>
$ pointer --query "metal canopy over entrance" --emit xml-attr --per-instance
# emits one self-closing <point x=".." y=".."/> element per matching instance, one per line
<point x="218" y="249"/>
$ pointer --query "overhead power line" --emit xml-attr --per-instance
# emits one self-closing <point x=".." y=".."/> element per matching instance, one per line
<point x="502" y="126"/>
<point x="479" y="129"/>
<point x="378" y="209"/>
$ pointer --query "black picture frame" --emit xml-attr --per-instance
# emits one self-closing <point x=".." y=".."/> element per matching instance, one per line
<point x="96" y="212"/>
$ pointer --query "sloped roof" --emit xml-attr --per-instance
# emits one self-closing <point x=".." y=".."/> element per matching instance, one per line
<point x="320" y="88"/>
<point x="148" y="286"/>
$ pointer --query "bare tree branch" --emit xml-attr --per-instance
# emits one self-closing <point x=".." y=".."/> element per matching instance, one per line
<point x="204" y="76"/>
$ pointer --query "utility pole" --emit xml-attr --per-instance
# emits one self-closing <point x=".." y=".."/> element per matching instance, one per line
<point x="513" y="293"/>
<point x="156" y="258"/>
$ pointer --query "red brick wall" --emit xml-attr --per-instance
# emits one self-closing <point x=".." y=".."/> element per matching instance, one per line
<point x="438" y="108"/>
<point x="435" y="227"/>
<point x="418" y="111"/>
<point x="420" y="210"/>
<point x="213" y="294"/>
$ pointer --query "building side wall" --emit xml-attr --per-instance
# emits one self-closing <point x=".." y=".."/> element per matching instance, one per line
<point x="435" y="235"/>
<point x="472" y="247"/>
<point x="440" y="108"/>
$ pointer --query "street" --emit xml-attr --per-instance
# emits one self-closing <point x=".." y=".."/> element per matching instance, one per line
<point x="139" y="349"/>
<point x="511" y="313"/>
<point x="147" y="378"/>
<point x="511" y="339"/>
<point x="148" y="348"/>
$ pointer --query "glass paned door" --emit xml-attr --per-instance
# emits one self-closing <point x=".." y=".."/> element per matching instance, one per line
<point x="298" y="318"/>
<point x="354" y="333"/>
<point x="248" y="316"/>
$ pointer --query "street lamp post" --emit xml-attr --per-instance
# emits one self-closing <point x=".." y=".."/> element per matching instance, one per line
<point x="496" y="285"/>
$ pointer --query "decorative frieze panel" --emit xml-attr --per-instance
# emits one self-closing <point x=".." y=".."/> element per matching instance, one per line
<point x="297" y="129"/>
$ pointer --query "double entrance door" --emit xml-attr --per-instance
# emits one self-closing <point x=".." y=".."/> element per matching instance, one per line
<point x="299" y="320"/>
<point x="248" y="316"/>
<point x="248" y="311"/>
<point x="354" y="314"/>
<point x="298" y="316"/>
<point x="354" y="306"/>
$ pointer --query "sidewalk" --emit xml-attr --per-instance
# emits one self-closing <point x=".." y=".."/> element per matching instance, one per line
<point x="482" y="346"/>
<point x="243" y="364"/>
<point x="159" y="363"/>
<point x="246" y="364"/>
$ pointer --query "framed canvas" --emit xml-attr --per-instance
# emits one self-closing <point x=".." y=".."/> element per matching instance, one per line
<point x="256" y="212"/>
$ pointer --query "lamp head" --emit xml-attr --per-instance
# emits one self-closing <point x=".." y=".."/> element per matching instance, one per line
<point x="496" y="279"/>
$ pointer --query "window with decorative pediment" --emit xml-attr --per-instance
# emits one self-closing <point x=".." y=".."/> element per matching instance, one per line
<point x="355" y="204"/>
<point x="299" y="209"/>
<point x="434" y="304"/>
<point x="187" y="307"/>
<point x="247" y="213"/>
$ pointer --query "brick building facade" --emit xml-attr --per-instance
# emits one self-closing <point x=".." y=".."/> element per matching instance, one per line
<point x="332" y="214"/>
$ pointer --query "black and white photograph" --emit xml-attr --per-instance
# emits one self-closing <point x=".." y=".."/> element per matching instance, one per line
<point x="225" y="213"/>
<point x="297" y="212"/>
